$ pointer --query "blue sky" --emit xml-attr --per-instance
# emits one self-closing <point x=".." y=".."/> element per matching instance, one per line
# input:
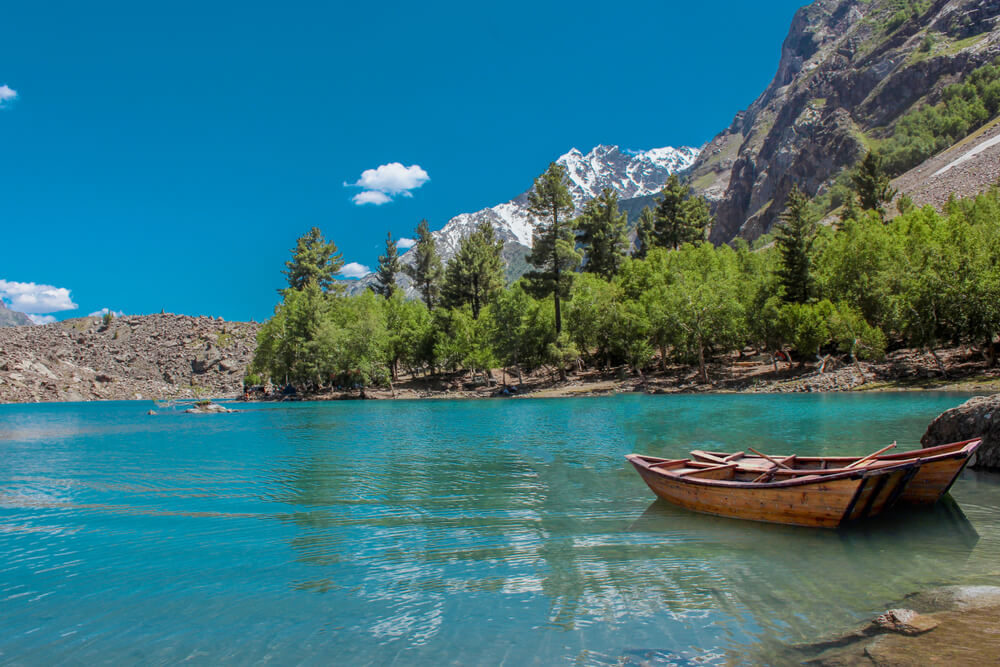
<point x="167" y="155"/>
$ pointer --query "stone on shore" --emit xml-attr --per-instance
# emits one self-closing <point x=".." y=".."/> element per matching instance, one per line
<point x="977" y="417"/>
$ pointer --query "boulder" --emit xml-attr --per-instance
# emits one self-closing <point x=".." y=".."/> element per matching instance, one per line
<point x="977" y="417"/>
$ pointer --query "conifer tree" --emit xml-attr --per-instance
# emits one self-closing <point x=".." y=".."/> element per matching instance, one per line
<point x="794" y="238"/>
<point x="602" y="234"/>
<point x="553" y="252"/>
<point x="872" y="184"/>
<point x="426" y="270"/>
<point x="644" y="233"/>
<point x="388" y="267"/>
<point x="476" y="273"/>
<point x="678" y="219"/>
<point x="313" y="258"/>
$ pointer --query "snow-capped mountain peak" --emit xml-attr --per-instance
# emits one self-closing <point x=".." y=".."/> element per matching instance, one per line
<point x="629" y="173"/>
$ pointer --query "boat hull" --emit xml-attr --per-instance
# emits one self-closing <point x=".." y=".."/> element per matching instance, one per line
<point x="827" y="502"/>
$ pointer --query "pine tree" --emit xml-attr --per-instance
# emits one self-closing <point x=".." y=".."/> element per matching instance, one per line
<point x="388" y="267"/>
<point x="602" y="234"/>
<point x="644" y="233"/>
<point x="426" y="270"/>
<point x="678" y="219"/>
<point x="794" y="238"/>
<point x="313" y="258"/>
<point x="476" y="273"/>
<point x="872" y="184"/>
<point x="553" y="252"/>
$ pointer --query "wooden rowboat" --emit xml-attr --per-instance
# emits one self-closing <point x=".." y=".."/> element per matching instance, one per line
<point x="937" y="467"/>
<point x="800" y="498"/>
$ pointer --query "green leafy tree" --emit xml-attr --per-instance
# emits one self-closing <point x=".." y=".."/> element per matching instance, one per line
<point x="701" y="313"/>
<point x="407" y="325"/>
<point x="476" y="273"/>
<point x="388" y="267"/>
<point x="855" y="336"/>
<point x="553" y="252"/>
<point x="602" y="234"/>
<point x="314" y="259"/>
<point x="794" y="237"/>
<point x="508" y="315"/>
<point x="426" y="270"/>
<point x="856" y="264"/>
<point x="872" y="184"/>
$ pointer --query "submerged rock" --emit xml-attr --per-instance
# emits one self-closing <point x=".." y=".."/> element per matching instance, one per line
<point x="977" y="417"/>
<point x="208" y="409"/>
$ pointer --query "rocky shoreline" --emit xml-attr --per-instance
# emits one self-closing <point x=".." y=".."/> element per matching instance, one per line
<point x="950" y="625"/>
<point x="161" y="356"/>
<point x="965" y="370"/>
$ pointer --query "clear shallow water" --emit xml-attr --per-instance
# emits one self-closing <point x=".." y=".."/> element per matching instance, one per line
<point x="475" y="532"/>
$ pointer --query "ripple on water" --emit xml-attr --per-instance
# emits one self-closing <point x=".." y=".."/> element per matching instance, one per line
<point x="416" y="532"/>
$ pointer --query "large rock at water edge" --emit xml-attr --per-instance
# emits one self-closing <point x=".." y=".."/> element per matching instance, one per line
<point x="976" y="418"/>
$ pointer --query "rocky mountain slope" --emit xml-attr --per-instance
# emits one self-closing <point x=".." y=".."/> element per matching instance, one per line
<point x="12" y="318"/>
<point x="849" y="70"/>
<point x="634" y="176"/>
<point x="148" y="356"/>
<point x="964" y="170"/>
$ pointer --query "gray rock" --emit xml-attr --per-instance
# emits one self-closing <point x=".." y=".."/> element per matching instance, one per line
<point x="977" y="417"/>
<point x="904" y="622"/>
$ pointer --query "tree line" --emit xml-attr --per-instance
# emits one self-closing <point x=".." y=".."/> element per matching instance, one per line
<point x="594" y="298"/>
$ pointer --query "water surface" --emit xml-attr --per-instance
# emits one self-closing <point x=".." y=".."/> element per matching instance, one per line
<point x="468" y="532"/>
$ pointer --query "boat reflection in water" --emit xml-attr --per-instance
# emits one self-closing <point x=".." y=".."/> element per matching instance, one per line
<point x="797" y="584"/>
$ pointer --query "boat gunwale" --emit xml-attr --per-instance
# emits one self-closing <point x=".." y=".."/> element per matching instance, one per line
<point x="957" y="450"/>
<point x="639" y="461"/>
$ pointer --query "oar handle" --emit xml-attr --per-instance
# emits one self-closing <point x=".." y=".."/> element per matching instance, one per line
<point x="871" y="456"/>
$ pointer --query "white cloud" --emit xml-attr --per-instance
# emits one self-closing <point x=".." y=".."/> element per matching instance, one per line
<point x="371" y="197"/>
<point x="7" y="94"/>
<point x="42" y="319"/>
<point x="387" y="181"/>
<point x="405" y="243"/>
<point x="33" y="298"/>
<point x="354" y="270"/>
<point x="104" y="311"/>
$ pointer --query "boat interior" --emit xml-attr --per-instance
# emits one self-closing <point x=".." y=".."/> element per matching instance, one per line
<point x="754" y="470"/>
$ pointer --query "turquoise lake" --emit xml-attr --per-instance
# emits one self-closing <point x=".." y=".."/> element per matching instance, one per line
<point x="429" y="532"/>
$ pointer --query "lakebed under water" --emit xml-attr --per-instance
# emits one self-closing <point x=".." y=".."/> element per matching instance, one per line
<point x="422" y="532"/>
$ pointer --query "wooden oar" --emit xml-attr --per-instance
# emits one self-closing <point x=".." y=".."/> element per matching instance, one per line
<point x="701" y="454"/>
<point x="870" y="457"/>
<point x="774" y="461"/>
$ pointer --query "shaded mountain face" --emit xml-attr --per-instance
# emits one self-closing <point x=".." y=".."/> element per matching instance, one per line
<point x="12" y="318"/>
<point x="849" y="70"/>
<point x="635" y="176"/>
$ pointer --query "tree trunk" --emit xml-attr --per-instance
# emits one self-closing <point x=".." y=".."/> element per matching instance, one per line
<point x="663" y="358"/>
<point x="701" y="361"/>
<point x="558" y="311"/>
